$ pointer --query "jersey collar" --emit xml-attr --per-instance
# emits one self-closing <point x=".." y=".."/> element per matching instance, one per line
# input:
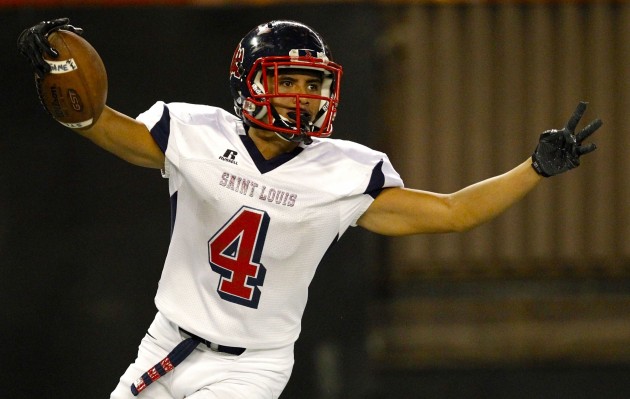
<point x="267" y="165"/>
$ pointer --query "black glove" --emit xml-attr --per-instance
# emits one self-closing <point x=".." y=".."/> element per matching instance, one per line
<point x="33" y="42"/>
<point x="560" y="150"/>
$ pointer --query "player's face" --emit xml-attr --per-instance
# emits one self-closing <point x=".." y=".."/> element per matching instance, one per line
<point x="302" y="82"/>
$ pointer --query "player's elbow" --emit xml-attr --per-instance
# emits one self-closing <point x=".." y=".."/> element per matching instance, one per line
<point x="464" y="217"/>
<point x="460" y="216"/>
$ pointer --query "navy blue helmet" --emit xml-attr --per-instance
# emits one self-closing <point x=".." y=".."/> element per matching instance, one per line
<point x="271" y="47"/>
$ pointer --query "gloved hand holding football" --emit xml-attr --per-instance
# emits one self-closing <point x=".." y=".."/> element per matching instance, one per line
<point x="70" y="77"/>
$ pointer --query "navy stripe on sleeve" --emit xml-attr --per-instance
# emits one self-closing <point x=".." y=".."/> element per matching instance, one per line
<point x="173" y="211"/>
<point x="377" y="181"/>
<point x="162" y="130"/>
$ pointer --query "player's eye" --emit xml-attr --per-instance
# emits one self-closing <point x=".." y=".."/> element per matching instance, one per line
<point x="286" y="83"/>
<point x="315" y="87"/>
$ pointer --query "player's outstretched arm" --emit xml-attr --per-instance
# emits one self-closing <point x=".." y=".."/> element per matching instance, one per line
<point x="400" y="211"/>
<point x="126" y="138"/>
<point x="403" y="211"/>
<point x="112" y="131"/>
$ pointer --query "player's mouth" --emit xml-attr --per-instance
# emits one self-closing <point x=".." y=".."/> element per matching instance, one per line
<point x="305" y="116"/>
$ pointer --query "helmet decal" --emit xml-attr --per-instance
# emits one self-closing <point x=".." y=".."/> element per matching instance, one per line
<point x="236" y="67"/>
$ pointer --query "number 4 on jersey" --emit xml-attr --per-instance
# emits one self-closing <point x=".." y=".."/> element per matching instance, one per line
<point x="234" y="252"/>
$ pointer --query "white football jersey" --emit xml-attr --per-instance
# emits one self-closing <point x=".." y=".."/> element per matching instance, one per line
<point x="248" y="233"/>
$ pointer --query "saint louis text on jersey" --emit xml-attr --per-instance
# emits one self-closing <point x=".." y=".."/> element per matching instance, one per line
<point x="249" y="187"/>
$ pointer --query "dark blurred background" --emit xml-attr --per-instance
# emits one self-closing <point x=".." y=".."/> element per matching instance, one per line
<point x="532" y="305"/>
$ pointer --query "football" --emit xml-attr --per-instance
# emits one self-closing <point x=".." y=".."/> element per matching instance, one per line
<point x="75" y="90"/>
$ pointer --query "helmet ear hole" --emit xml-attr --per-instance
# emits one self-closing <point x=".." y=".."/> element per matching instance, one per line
<point x="283" y="45"/>
<point x="257" y="84"/>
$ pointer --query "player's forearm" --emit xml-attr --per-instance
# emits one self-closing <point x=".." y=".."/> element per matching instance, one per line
<point x="126" y="138"/>
<point x="403" y="211"/>
<point x="481" y="202"/>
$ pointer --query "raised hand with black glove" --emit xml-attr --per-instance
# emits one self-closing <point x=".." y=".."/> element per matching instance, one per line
<point x="33" y="43"/>
<point x="560" y="150"/>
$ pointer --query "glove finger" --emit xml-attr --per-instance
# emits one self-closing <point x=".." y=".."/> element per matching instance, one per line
<point x="577" y="115"/>
<point x="72" y="28"/>
<point x="56" y="23"/>
<point x="588" y="130"/>
<point x="42" y="45"/>
<point x="37" y="60"/>
<point x="34" y="54"/>
<point x="585" y="149"/>
<point x="547" y="134"/>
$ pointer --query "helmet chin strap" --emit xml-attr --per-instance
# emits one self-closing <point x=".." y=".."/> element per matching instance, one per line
<point x="295" y="138"/>
<point x="306" y="126"/>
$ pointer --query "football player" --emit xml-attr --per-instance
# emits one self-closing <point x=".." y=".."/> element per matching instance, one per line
<point x="258" y="197"/>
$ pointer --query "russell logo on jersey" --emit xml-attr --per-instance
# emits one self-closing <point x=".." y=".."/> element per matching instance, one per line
<point x="229" y="156"/>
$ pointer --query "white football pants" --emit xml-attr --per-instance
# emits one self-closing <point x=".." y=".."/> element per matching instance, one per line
<point x="206" y="374"/>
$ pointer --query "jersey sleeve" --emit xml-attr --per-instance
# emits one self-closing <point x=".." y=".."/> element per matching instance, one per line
<point x="178" y="126"/>
<point x="158" y="120"/>
<point x="383" y="175"/>
<point x="377" y="175"/>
